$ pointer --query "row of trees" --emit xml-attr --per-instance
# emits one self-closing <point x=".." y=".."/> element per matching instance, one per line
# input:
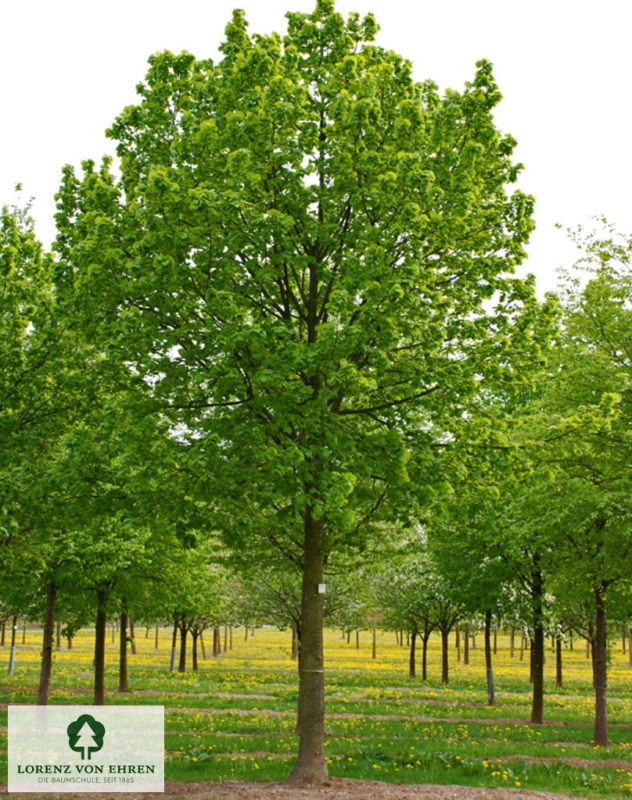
<point x="288" y="330"/>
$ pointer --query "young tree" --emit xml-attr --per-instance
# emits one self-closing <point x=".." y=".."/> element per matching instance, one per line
<point x="305" y="262"/>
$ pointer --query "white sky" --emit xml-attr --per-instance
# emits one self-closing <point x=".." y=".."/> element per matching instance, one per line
<point x="68" y="67"/>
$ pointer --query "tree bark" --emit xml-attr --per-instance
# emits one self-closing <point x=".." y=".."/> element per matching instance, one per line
<point x="374" y="643"/>
<point x="600" y="667"/>
<point x="445" y="678"/>
<point x="424" y="655"/>
<point x="225" y="638"/>
<point x="195" y="634"/>
<point x="58" y="635"/>
<point x="458" y="643"/>
<point x="47" y="646"/>
<point x="466" y="645"/>
<point x="537" y="591"/>
<point x="630" y="648"/>
<point x="411" y="657"/>
<point x="156" y="639"/>
<point x="123" y="682"/>
<point x="558" y="663"/>
<point x="132" y="635"/>
<point x="174" y="639"/>
<point x="14" y="632"/>
<point x="512" y="640"/>
<point x="99" y="650"/>
<point x="357" y="638"/>
<point x="294" y="650"/>
<point x="202" y="647"/>
<point x="491" y="697"/>
<point x="182" y="663"/>
<point x="230" y="637"/>
<point x="311" y="766"/>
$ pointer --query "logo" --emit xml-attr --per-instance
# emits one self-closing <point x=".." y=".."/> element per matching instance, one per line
<point x="85" y="736"/>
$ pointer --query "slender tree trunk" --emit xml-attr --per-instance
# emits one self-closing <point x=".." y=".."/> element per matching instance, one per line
<point x="623" y="639"/>
<point x="3" y="634"/>
<point x="600" y="667"/>
<point x="411" y="658"/>
<point x="445" y="678"/>
<point x="491" y="697"/>
<point x="123" y="682"/>
<point x="58" y="635"/>
<point x="202" y="647"/>
<point x="99" y="650"/>
<point x="70" y="642"/>
<point x="558" y="663"/>
<point x="374" y="648"/>
<point x="466" y="645"/>
<point x="195" y="634"/>
<point x="297" y="729"/>
<point x="425" y="638"/>
<point x="132" y="635"/>
<point x="156" y="638"/>
<point x="357" y="638"/>
<point x="23" y="631"/>
<point x="294" y="650"/>
<point x="230" y="637"/>
<point x="458" y="643"/>
<point x="14" y="631"/>
<point x="182" y="663"/>
<point x="522" y="646"/>
<point x="570" y="640"/>
<point x="512" y="641"/>
<point x="473" y="641"/>
<point x="311" y="766"/>
<point x="531" y="660"/>
<point x="630" y="648"/>
<point x="174" y="640"/>
<point x="246" y="634"/>
<point x="217" y="645"/>
<point x="588" y="650"/>
<point x="47" y="646"/>
<point x="537" y="592"/>
<point x="495" y="639"/>
<point x="225" y="638"/>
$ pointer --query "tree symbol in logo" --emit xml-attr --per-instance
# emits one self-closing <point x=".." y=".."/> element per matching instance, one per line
<point x="85" y="735"/>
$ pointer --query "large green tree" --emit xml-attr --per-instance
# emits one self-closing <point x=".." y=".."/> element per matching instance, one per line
<point x="305" y="261"/>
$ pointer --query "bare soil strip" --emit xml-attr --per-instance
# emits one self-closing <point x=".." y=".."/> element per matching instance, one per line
<point x="334" y="789"/>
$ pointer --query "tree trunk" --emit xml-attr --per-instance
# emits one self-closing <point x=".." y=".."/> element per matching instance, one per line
<point x="225" y="638"/>
<point x="311" y="766"/>
<point x="202" y="647"/>
<point x="537" y="591"/>
<point x="123" y="683"/>
<point x="445" y="678"/>
<point x="14" y="631"/>
<point x="630" y="648"/>
<point x="23" y="631"/>
<point x="411" y="658"/>
<point x="458" y="644"/>
<point x="357" y="638"/>
<point x="491" y="697"/>
<point x="495" y="639"/>
<point x="558" y="663"/>
<point x="424" y="655"/>
<point x="174" y="639"/>
<point x="182" y="663"/>
<point x="297" y="729"/>
<point x="70" y="642"/>
<point x="246" y="634"/>
<point x="156" y="638"/>
<point x="132" y="635"/>
<point x="47" y="646"/>
<point x="512" y="640"/>
<point x="623" y="639"/>
<point x="3" y="634"/>
<point x="58" y="635"/>
<point x="294" y="650"/>
<point x="217" y="645"/>
<point x="600" y="667"/>
<point x="230" y="637"/>
<point x="466" y="645"/>
<point x="99" y="650"/>
<point x="195" y="634"/>
<point x="374" y="648"/>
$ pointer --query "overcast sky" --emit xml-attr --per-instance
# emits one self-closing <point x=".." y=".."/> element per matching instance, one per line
<point x="68" y="67"/>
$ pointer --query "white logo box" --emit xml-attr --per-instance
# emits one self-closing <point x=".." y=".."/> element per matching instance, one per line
<point x="86" y="749"/>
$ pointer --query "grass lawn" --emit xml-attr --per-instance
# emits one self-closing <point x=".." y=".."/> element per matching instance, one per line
<point x="235" y="717"/>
